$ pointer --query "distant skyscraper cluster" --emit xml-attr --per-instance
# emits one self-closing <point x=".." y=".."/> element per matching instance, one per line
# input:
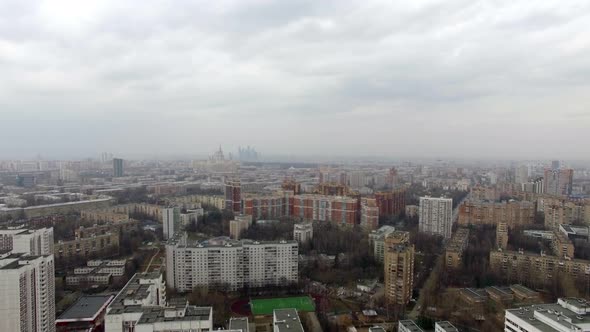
<point x="247" y="154"/>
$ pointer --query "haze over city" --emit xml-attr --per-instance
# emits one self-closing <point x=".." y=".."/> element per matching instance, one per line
<point x="294" y="166"/>
<point x="460" y="79"/>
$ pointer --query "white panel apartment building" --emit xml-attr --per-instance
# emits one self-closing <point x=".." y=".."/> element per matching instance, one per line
<point x="231" y="264"/>
<point x="27" y="285"/>
<point x="31" y="241"/>
<point x="436" y="216"/>
<point x="170" y="221"/>
<point x="568" y="314"/>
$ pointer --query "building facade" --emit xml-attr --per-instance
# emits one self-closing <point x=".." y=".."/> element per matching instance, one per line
<point x="118" y="167"/>
<point x="35" y="242"/>
<point x="233" y="195"/>
<point x="230" y="264"/>
<point x="27" y="285"/>
<point x="391" y="202"/>
<point x="369" y="214"/>
<point x="558" y="181"/>
<point x="513" y="213"/>
<point x="399" y="268"/>
<point x="436" y="216"/>
<point x="539" y="269"/>
<point x="336" y="209"/>
<point x="455" y="248"/>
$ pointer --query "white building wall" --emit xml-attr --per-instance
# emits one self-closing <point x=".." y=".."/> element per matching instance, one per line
<point x="436" y="216"/>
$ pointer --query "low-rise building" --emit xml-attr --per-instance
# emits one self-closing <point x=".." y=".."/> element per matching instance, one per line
<point x="523" y="293"/>
<point x="568" y="314"/>
<point x="86" y="314"/>
<point x="286" y="320"/>
<point x="444" y="326"/>
<point x="575" y="232"/>
<point x="141" y="307"/>
<point x="408" y="325"/>
<point x="473" y="296"/>
<point x="500" y="294"/>
<point x="96" y="272"/>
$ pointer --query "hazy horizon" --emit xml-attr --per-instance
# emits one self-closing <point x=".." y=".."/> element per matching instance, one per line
<point x="421" y="79"/>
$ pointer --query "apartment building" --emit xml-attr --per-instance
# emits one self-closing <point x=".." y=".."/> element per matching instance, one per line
<point x="92" y="244"/>
<point x="27" y="285"/>
<point x="377" y="240"/>
<point x="142" y="306"/>
<point x="233" y="195"/>
<point x="32" y="241"/>
<point x="286" y="320"/>
<point x="455" y="248"/>
<point x="271" y="206"/>
<point x="561" y="245"/>
<point x="303" y="232"/>
<point x="231" y="264"/>
<point x="391" y="202"/>
<point x="568" y="314"/>
<point x="337" y="209"/>
<point x="408" y="325"/>
<point x="170" y="221"/>
<point x="120" y="227"/>
<point x="565" y="212"/>
<point x="536" y="268"/>
<point x="369" y="213"/>
<point x="558" y="181"/>
<point x="513" y="213"/>
<point x="502" y="235"/>
<point x="399" y="268"/>
<point x="238" y="225"/>
<point x="436" y="216"/>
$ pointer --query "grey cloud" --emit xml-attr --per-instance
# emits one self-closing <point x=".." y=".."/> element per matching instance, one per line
<point x="306" y="73"/>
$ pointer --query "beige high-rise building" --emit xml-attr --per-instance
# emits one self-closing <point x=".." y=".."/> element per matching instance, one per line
<point x="399" y="268"/>
<point x="502" y="235"/>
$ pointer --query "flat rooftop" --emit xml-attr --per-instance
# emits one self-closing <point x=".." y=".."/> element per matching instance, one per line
<point x="410" y="325"/>
<point x="287" y="320"/>
<point x="86" y="307"/>
<point x="239" y="323"/>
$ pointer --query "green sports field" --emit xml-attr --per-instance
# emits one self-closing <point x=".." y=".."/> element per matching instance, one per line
<point x="266" y="306"/>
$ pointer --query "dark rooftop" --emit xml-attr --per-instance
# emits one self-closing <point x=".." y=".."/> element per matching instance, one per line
<point x="87" y="307"/>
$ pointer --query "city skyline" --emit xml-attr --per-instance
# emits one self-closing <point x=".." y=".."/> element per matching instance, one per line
<point x="426" y="79"/>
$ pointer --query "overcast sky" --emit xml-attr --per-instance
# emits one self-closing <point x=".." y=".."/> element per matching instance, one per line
<point x="498" y="79"/>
